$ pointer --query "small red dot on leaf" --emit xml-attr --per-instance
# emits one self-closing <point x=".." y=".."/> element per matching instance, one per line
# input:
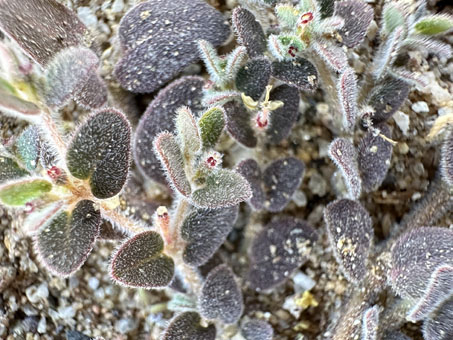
<point x="292" y="51"/>
<point x="212" y="162"/>
<point x="54" y="172"/>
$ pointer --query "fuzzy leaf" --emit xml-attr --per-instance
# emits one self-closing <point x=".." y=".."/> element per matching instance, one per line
<point x="169" y="153"/>
<point x="344" y="155"/>
<point x="17" y="107"/>
<point x="430" y="45"/>
<point x="374" y="155"/>
<point x="334" y="56"/>
<point x="298" y="72"/>
<point x="439" y="326"/>
<point x="41" y="27"/>
<point x="20" y="192"/>
<point x="238" y="124"/>
<point x="204" y="231"/>
<point x="326" y="7"/>
<point x="211" y="125"/>
<point x="9" y="169"/>
<point x="140" y="263"/>
<point x="257" y="330"/>
<point x="186" y="326"/>
<point x="28" y="147"/>
<point x="159" y="116"/>
<point x="287" y="15"/>
<point x="37" y="218"/>
<point x="159" y="39"/>
<point x="93" y="94"/>
<point x="393" y="17"/>
<point x="100" y="152"/>
<point x="187" y="129"/>
<point x="281" y="179"/>
<point x="234" y="61"/>
<point x="249" y="32"/>
<point x="387" y="53"/>
<point x="434" y="24"/>
<point x="370" y="323"/>
<point x="67" y="73"/>
<point x="221" y="297"/>
<point x="387" y="98"/>
<point x="350" y="232"/>
<point x="347" y="95"/>
<point x="64" y="242"/>
<point x="439" y="288"/>
<point x="282" y="119"/>
<point x="251" y="171"/>
<point x="212" y="61"/>
<point x="396" y="336"/>
<point x="211" y="98"/>
<point x="223" y="188"/>
<point x="357" y="17"/>
<point x="446" y="162"/>
<point x="253" y="77"/>
<point x="281" y="247"/>
<point x="411" y="267"/>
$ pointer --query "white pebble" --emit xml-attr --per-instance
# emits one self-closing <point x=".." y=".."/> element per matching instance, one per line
<point x="66" y="312"/>
<point x="420" y="107"/>
<point x="118" y="6"/>
<point x="87" y="16"/>
<point x="303" y="282"/>
<point x="402" y="120"/>
<point x="93" y="283"/>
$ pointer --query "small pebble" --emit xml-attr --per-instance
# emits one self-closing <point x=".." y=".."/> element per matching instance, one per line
<point x="303" y="282"/>
<point x="420" y="107"/>
<point x="93" y="283"/>
<point x="402" y="120"/>
<point x="124" y="326"/>
<point x="42" y="325"/>
<point x="67" y="312"/>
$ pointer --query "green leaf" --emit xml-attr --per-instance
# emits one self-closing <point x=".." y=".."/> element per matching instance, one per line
<point x="393" y="17"/>
<point x="211" y="125"/>
<point x="140" y="262"/>
<point x="287" y="15"/>
<point x="434" y="24"/>
<point x="21" y="192"/>
<point x="187" y="132"/>
<point x="223" y="188"/>
<point x="17" y="107"/>
<point x="28" y="147"/>
<point x="9" y="169"/>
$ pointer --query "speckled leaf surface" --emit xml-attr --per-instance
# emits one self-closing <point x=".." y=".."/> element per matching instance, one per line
<point x="358" y="16"/>
<point x="28" y="147"/>
<point x="238" y="124"/>
<point x="249" y="32"/>
<point x="257" y="330"/>
<point x="251" y="171"/>
<point x="186" y="326"/>
<point x="93" y="94"/>
<point x="298" y="72"/>
<point x="439" y="326"/>
<point x="9" y="169"/>
<point x="159" y="116"/>
<point x="100" y="152"/>
<point x="18" y="193"/>
<point x="253" y="77"/>
<point x="65" y="241"/>
<point x="159" y="39"/>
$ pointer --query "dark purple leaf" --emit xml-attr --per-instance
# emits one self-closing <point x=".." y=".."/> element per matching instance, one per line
<point x="350" y="231"/>
<point x="415" y="257"/>
<point x="221" y="296"/>
<point x="298" y="72"/>
<point x="282" y="120"/>
<point x="159" y="39"/>
<point x="446" y="162"/>
<point x="186" y="326"/>
<point x="238" y="124"/>
<point x="93" y="94"/>
<point x="140" y="263"/>
<point x="374" y="155"/>
<point x="41" y="27"/>
<point x="257" y="330"/>
<point x="249" y="32"/>
<point x="280" y="248"/>
<point x="204" y="231"/>
<point x="370" y="323"/>
<point x="281" y="179"/>
<point x="253" y="77"/>
<point x="439" y="326"/>
<point x="159" y="116"/>
<point x="100" y="152"/>
<point x="357" y="17"/>
<point x="64" y="242"/>
<point x="347" y="95"/>
<point x="251" y="171"/>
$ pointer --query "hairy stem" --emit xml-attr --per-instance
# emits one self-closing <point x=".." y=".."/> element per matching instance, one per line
<point x="118" y="219"/>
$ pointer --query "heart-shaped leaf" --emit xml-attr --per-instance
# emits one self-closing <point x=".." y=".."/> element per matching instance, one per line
<point x="223" y="188"/>
<point x="281" y="179"/>
<point x="415" y="257"/>
<point x="9" y="169"/>
<point x="357" y="17"/>
<point x="251" y="171"/>
<point x="281" y="247"/>
<point x="28" y="147"/>
<point x="67" y="73"/>
<point x="205" y="230"/>
<point x="211" y="125"/>
<point x="253" y="77"/>
<point x="64" y="242"/>
<point x="439" y="326"/>
<point x="344" y="155"/>
<point x="159" y="39"/>
<point x="374" y="154"/>
<point x="249" y="32"/>
<point x="257" y="330"/>
<point x="221" y="297"/>
<point x="238" y="124"/>
<point x="186" y="326"/>
<point x="41" y="27"/>
<point x="167" y="149"/>
<point x="140" y="263"/>
<point x="350" y="232"/>
<point x="100" y="152"/>
<point x="282" y="119"/>
<point x="298" y="72"/>
<point x="19" y="192"/>
<point x="159" y="116"/>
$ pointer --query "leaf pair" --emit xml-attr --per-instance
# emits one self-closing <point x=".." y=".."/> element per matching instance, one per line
<point x="272" y="190"/>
